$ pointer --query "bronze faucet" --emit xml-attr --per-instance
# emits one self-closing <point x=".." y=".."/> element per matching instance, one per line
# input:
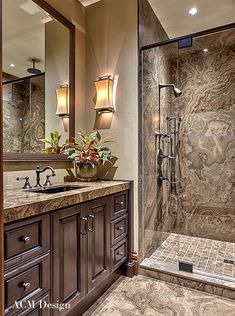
<point x="38" y="172"/>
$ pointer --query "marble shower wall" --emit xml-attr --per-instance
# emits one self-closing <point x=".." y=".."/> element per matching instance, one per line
<point x="207" y="108"/>
<point x="24" y="115"/>
<point x="206" y="193"/>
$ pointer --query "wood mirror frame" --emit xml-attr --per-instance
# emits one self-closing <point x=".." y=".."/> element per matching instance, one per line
<point x="24" y="157"/>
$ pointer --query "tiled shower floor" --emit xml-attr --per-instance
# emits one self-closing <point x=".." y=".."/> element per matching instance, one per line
<point x="207" y="255"/>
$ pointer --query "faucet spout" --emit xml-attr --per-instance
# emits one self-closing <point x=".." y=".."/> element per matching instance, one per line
<point x="39" y="171"/>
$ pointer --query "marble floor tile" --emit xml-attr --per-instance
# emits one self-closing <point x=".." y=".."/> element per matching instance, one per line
<point x="143" y="296"/>
<point x="199" y="304"/>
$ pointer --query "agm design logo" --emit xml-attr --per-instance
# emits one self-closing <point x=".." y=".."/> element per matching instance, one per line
<point x="41" y="304"/>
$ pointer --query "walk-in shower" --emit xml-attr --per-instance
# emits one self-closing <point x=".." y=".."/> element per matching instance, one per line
<point x="188" y="145"/>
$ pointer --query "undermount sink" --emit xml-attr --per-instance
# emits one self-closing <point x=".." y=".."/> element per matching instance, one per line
<point x="57" y="189"/>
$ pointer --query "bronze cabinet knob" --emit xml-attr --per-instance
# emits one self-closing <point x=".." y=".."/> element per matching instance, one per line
<point x="121" y="203"/>
<point x="25" y="239"/>
<point x="26" y="286"/>
<point x="120" y="228"/>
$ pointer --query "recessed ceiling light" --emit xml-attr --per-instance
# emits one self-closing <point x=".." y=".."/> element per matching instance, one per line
<point x="205" y="50"/>
<point x="12" y="65"/>
<point x="193" y="11"/>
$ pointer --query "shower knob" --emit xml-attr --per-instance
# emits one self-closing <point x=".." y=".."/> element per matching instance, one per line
<point x="162" y="178"/>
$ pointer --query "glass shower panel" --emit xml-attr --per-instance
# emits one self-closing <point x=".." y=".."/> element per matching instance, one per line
<point x="206" y="107"/>
<point x="159" y="198"/>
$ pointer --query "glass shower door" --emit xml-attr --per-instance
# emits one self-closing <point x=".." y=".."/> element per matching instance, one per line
<point x="159" y="138"/>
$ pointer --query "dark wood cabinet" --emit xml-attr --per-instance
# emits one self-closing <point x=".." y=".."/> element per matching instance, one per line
<point x="25" y="240"/>
<point x="70" y="256"/>
<point x="26" y="282"/>
<point x="98" y="241"/>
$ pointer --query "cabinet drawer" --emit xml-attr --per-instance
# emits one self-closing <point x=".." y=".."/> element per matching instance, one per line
<point x="35" y="309"/>
<point x="119" y="204"/>
<point x="118" y="229"/>
<point x="26" y="283"/>
<point x="119" y="254"/>
<point x="25" y="240"/>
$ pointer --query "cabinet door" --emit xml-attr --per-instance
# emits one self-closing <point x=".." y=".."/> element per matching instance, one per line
<point x="98" y="223"/>
<point x="68" y="256"/>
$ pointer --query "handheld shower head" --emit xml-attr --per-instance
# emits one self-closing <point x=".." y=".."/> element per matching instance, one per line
<point x="177" y="91"/>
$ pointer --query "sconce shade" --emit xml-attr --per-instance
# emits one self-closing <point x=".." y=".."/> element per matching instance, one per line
<point x="62" y="94"/>
<point x="65" y="120"/>
<point x="104" y="91"/>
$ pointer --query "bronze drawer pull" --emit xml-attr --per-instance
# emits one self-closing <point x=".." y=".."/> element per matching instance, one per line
<point x="84" y="228"/>
<point x="26" y="286"/>
<point x="120" y="228"/>
<point x="91" y="229"/>
<point x="120" y="253"/>
<point x="25" y="239"/>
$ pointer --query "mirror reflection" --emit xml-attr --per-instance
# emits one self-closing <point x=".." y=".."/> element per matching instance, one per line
<point x="35" y="77"/>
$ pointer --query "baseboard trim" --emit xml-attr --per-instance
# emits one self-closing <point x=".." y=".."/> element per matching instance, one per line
<point x="92" y="297"/>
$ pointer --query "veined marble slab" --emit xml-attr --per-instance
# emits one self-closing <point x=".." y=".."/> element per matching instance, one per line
<point x="20" y="204"/>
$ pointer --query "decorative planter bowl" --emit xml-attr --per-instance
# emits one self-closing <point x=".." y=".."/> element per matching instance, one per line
<point x="85" y="172"/>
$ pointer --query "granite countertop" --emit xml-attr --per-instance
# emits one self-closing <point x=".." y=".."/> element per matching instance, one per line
<point x="20" y="204"/>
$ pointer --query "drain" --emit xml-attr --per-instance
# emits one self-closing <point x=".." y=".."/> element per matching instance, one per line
<point x="229" y="261"/>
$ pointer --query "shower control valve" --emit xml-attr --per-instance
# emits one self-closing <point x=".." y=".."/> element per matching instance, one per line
<point x="161" y="135"/>
<point x="162" y="178"/>
<point x="163" y="156"/>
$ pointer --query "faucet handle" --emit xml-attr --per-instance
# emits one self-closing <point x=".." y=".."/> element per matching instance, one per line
<point x="27" y="184"/>
<point x="48" y="181"/>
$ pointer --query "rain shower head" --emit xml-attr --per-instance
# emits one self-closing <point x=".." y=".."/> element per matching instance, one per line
<point x="34" y="70"/>
<point x="177" y="92"/>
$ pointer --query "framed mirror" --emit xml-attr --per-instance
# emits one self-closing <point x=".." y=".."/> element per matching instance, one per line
<point x="38" y="80"/>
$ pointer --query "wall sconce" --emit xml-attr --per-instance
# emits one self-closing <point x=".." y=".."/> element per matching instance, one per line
<point x="62" y="95"/>
<point x="104" y="94"/>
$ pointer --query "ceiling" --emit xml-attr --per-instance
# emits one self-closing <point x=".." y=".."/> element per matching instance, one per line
<point x="174" y="17"/>
<point x="23" y="36"/>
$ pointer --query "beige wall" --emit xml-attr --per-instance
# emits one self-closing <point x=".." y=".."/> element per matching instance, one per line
<point x="111" y="29"/>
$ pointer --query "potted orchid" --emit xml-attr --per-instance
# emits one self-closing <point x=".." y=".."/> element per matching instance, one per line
<point x="88" y="151"/>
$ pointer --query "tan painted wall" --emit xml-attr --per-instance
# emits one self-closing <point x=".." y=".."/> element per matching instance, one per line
<point x="111" y="28"/>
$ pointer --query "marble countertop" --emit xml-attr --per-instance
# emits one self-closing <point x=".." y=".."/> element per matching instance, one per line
<point x="20" y="204"/>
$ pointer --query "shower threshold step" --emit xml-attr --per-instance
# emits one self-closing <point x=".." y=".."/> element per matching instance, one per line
<point x="197" y="280"/>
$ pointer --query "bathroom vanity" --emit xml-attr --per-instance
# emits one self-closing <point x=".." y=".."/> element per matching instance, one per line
<point x="66" y="248"/>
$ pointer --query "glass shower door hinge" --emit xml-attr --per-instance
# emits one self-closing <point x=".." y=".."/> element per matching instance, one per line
<point x="185" y="266"/>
